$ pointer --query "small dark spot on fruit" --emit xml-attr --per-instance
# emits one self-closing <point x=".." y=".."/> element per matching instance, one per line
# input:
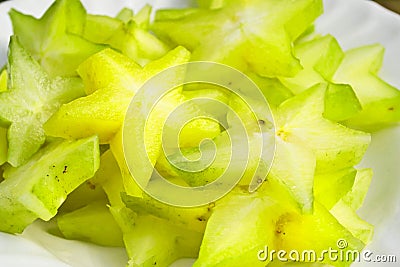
<point x="261" y="122"/>
<point x="201" y="219"/>
<point x="91" y="186"/>
<point x="54" y="166"/>
<point x="155" y="263"/>
<point x="391" y="108"/>
<point x="278" y="231"/>
<point x="229" y="83"/>
<point x="65" y="169"/>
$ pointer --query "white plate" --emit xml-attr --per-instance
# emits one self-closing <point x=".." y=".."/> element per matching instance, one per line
<point x="353" y="23"/>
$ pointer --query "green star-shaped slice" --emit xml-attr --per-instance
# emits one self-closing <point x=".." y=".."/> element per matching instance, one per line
<point x="379" y="100"/>
<point x="138" y="43"/>
<point x="308" y="144"/>
<point x="31" y="99"/>
<point x="255" y="34"/>
<point x="128" y="35"/>
<point x="151" y="241"/>
<point x="261" y="223"/>
<point x="320" y="59"/>
<point x="299" y="120"/>
<point x="54" y="40"/>
<point x="38" y="188"/>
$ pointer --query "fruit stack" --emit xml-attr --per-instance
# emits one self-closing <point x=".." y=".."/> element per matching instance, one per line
<point x="69" y="81"/>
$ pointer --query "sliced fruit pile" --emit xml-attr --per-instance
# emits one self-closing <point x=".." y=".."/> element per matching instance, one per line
<point x="71" y="76"/>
